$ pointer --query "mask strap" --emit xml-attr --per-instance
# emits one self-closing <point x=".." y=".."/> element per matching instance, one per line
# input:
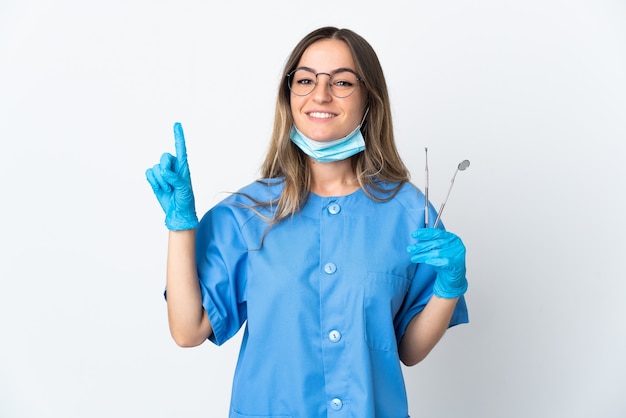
<point x="365" y="115"/>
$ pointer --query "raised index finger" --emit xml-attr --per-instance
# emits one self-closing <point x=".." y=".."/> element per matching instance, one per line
<point x="179" y="142"/>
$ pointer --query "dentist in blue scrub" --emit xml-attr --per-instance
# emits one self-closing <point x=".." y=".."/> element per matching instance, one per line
<point x="324" y="259"/>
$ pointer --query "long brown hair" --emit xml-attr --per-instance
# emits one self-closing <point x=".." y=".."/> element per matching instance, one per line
<point x="377" y="166"/>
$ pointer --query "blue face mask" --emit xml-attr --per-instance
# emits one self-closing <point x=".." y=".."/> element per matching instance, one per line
<point x="329" y="151"/>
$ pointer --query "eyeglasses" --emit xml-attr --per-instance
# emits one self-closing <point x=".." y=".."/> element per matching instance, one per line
<point x="342" y="82"/>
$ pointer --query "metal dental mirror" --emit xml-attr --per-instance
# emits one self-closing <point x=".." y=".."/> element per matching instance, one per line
<point x="461" y="167"/>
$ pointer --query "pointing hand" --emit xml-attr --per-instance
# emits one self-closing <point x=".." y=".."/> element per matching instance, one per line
<point x="171" y="183"/>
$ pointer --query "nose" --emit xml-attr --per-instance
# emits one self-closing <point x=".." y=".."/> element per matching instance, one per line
<point x="321" y="92"/>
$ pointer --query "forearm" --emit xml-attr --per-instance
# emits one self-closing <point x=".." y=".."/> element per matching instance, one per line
<point x="426" y="329"/>
<point x="188" y="321"/>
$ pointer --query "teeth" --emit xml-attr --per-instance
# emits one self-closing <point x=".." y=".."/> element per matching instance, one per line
<point x="321" y="115"/>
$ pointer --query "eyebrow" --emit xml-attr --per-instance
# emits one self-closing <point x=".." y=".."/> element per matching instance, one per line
<point x="335" y="71"/>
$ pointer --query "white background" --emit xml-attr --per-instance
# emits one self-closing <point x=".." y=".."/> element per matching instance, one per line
<point x="533" y="93"/>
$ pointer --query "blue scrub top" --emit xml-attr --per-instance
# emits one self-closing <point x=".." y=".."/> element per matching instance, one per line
<point x="326" y="296"/>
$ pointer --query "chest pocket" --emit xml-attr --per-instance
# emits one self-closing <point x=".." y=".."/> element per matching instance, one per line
<point x="383" y="297"/>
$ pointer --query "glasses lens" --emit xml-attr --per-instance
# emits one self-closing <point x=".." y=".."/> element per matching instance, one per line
<point x="343" y="83"/>
<point x="302" y="82"/>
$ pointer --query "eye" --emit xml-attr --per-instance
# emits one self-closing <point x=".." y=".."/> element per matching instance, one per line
<point x="303" y="77"/>
<point x="344" y="80"/>
<point x="343" y="83"/>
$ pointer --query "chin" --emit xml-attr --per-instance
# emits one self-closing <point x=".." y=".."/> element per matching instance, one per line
<point x="324" y="136"/>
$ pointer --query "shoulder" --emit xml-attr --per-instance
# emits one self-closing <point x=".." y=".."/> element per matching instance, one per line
<point x="410" y="197"/>
<point x="408" y="189"/>
<point x="401" y="192"/>
<point x="256" y="198"/>
<point x="404" y="200"/>
<point x="263" y="190"/>
<point x="259" y="191"/>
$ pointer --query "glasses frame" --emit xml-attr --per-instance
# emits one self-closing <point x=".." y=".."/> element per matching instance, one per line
<point x="330" y="76"/>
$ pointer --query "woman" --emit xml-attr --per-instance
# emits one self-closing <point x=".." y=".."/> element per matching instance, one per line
<point x="316" y="257"/>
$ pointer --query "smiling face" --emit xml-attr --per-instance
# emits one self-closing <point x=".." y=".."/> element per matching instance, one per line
<point x="320" y="115"/>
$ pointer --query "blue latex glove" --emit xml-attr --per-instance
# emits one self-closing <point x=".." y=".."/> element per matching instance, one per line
<point x="446" y="253"/>
<point x="171" y="183"/>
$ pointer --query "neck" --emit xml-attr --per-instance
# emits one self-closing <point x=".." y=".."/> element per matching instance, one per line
<point x="333" y="179"/>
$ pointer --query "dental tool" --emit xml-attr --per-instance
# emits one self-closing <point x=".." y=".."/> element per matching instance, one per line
<point x="426" y="191"/>
<point x="461" y="167"/>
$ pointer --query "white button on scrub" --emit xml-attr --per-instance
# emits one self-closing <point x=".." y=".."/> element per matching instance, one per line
<point x="336" y="404"/>
<point x="330" y="268"/>
<point x="334" y="208"/>
<point x="334" y="336"/>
